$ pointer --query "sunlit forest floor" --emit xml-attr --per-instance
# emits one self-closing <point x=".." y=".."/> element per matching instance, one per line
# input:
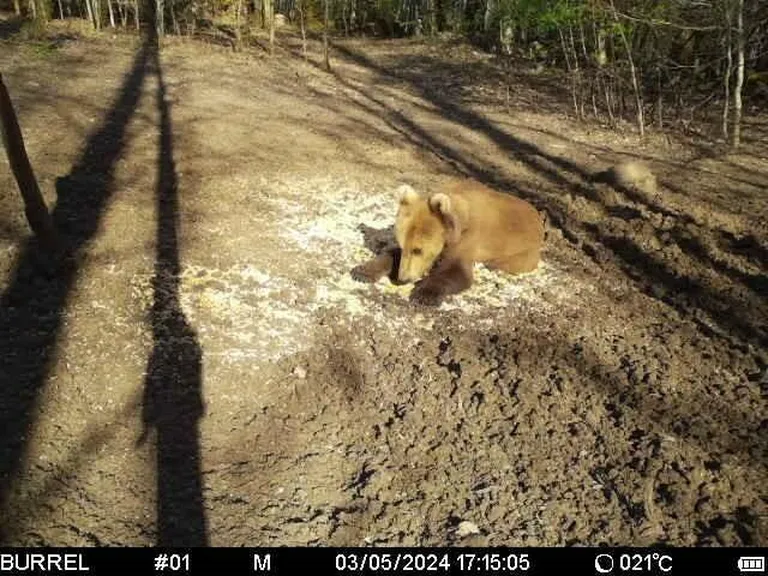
<point x="199" y="367"/>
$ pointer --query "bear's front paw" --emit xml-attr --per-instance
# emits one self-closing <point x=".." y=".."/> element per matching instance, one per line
<point x="363" y="273"/>
<point x="426" y="295"/>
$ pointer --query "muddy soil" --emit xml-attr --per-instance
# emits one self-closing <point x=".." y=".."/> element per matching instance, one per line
<point x="198" y="366"/>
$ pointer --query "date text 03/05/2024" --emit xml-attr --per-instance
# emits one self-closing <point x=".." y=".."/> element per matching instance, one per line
<point x="432" y="562"/>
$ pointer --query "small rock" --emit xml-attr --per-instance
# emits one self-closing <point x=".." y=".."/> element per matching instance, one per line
<point x="466" y="528"/>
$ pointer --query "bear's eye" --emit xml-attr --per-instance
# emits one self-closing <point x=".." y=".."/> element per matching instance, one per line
<point x="416" y="251"/>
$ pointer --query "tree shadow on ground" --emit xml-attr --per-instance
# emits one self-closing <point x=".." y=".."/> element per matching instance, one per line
<point x="32" y="307"/>
<point x="173" y="402"/>
<point x="607" y="241"/>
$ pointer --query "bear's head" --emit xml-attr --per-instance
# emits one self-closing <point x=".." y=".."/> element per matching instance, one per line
<point x="423" y="228"/>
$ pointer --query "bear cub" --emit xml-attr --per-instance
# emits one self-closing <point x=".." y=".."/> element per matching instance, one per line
<point x="440" y="236"/>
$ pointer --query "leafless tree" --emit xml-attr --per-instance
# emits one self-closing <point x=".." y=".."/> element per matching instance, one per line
<point x="326" y="18"/>
<point x="737" y="103"/>
<point x="34" y="205"/>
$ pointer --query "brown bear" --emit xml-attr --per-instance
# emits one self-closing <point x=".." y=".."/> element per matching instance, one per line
<point x="442" y="235"/>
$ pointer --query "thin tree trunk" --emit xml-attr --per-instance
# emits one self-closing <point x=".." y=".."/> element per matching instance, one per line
<point x="61" y="10"/>
<point x="602" y="53"/>
<point x="33" y="9"/>
<point x="728" y="69"/>
<point x="489" y="7"/>
<point x="271" y="27"/>
<point x="432" y="16"/>
<point x="97" y="14"/>
<point x="566" y="55"/>
<point x="583" y="43"/>
<point x="111" y="14"/>
<point x="577" y="83"/>
<point x="159" y="14"/>
<point x="89" y="10"/>
<point x="574" y="53"/>
<point x="238" y="36"/>
<point x="571" y="75"/>
<point x="174" y="21"/>
<point x="326" y="18"/>
<point x="633" y="72"/>
<point x="34" y="205"/>
<point x="594" y="99"/>
<point x="136" y="14"/>
<point x="737" y="107"/>
<point x="659" y="100"/>
<point x="268" y="10"/>
<point x="17" y="7"/>
<point x="608" y="100"/>
<point x="303" y="29"/>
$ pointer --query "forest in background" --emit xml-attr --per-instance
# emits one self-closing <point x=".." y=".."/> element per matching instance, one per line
<point x="656" y="63"/>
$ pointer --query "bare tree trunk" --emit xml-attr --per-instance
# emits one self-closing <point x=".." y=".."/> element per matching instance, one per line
<point x="97" y="14"/>
<point x="269" y="22"/>
<point x="573" y="47"/>
<point x="174" y="21"/>
<point x="111" y="14"/>
<point x="432" y="17"/>
<point x="728" y="68"/>
<point x="659" y="100"/>
<point x="633" y="72"/>
<point x="571" y="71"/>
<point x="601" y="60"/>
<point x="583" y="42"/>
<point x="566" y="54"/>
<point x="271" y="27"/>
<point x="593" y="94"/>
<point x="489" y="7"/>
<point x="602" y="53"/>
<point x="577" y="83"/>
<point x="609" y="101"/>
<point x="89" y="10"/>
<point x="136" y="14"/>
<point x="159" y="18"/>
<point x="238" y="35"/>
<point x="737" y="107"/>
<point x="33" y="9"/>
<point x="301" y="8"/>
<point x="61" y="10"/>
<point x="17" y="7"/>
<point x="34" y="205"/>
<point x="326" y="18"/>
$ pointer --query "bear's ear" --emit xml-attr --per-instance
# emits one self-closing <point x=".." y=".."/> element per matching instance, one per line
<point x="441" y="204"/>
<point x="406" y="195"/>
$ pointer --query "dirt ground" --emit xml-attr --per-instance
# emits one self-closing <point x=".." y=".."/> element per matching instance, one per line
<point x="200" y="368"/>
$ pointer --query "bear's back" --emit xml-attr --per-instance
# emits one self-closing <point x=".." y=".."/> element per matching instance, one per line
<point x="486" y="207"/>
<point x="495" y="223"/>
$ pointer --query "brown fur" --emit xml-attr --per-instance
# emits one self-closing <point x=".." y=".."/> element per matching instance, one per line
<point x="441" y="236"/>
